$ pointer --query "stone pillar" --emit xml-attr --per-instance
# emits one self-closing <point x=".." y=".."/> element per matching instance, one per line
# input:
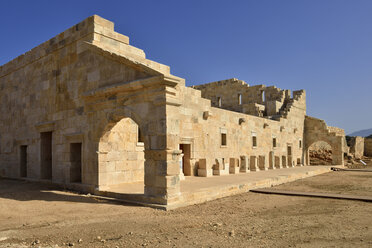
<point x="244" y="164"/>
<point x="284" y="162"/>
<point x="338" y="151"/>
<point x="182" y="175"/>
<point x="262" y="163"/>
<point x="253" y="164"/>
<point x="337" y="157"/>
<point x="162" y="175"/>
<point x="277" y="162"/>
<point x="221" y="167"/>
<point x="234" y="166"/>
<point x="289" y="162"/>
<point x="271" y="160"/>
<point x="205" y="168"/>
<point x="307" y="157"/>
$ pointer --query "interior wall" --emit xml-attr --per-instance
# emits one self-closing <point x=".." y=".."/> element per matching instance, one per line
<point x="121" y="157"/>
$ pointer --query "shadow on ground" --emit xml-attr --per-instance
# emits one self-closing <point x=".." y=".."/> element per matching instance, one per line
<point x="31" y="191"/>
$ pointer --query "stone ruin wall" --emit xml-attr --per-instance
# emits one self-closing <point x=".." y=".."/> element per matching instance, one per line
<point x="237" y="95"/>
<point x="338" y="131"/>
<point x="317" y="130"/>
<point x="368" y="147"/>
<point x="202" y="124"/>
<point x="356" y="145"/>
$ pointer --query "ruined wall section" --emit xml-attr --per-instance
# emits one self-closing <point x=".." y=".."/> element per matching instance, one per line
<point x="258" y="100"/>
<point x="317" y="130"/>
<point x="227" y="91"/>
<point x="198" y="123"/>
<point x="338" y="131"/>
<point x="295" y="110"/>
<point x="357" y="147"/>
<point x="368" y="147"/>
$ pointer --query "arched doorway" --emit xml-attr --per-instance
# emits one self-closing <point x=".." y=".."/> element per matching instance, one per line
<point x="320" y="153"/>
<point x="121" y="156"/>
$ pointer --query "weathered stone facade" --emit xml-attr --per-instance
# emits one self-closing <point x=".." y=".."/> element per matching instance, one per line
<point x="87" y="110"/>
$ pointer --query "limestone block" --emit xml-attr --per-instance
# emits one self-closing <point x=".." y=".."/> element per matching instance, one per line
<point x="218" y="166"/>
<point x="234" y="167"/>
<point x="244" y="166"/>
<point x="205" y="172"/>
<point x="277" y="162"/>
<point x="167" y="181"/>
<point x="272" y="161"/>
<point x="221" y="168"/>
<point x="173" y="168"/>
<point x="202" y="163"/>
<point x="220" y="172"/>
<point x="253" y="164"/>
<point x="131" y="156"/>
<point x="234" y="170"/>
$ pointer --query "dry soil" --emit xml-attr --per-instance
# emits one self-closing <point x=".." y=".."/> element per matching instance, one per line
<point x="36" y="215"/>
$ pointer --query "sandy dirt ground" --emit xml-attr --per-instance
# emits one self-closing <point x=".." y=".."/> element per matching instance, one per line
<point x="36" y="215"/>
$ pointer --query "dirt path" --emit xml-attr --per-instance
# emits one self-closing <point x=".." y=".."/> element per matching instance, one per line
<point x="32" y="212"/>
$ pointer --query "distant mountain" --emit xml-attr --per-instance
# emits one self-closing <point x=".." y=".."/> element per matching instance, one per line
<point x="363" y="133"/>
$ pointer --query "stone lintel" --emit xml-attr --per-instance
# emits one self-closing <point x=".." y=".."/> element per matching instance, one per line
<point x="45" y="126"/>
<point x="75" y="137"/>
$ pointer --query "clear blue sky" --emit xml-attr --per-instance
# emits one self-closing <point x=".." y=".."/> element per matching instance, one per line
<point x="322" y="46"/>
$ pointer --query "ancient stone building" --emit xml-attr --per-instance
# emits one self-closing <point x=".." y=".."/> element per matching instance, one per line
<point x="87" y="110"/>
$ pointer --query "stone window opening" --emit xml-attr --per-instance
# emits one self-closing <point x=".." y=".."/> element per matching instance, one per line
<point x="300" y="144"/>
<point x="223" y="139"/>
<point x="263" y="96"/>
<point x="240" y="99"/>
<point x="289" y="150"/>
<point x="254" y="141"/>
<point x="219" y="101"/>
<point x="274" y="142"/>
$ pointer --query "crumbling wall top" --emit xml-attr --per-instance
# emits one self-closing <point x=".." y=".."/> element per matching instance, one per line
<point x="220" y="83"/>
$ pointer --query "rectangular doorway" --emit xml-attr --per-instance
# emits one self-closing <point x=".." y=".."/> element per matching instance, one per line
<point x="46" y="155"/>
<point x="75" y="159"/>
<point x="186" y="165"/>
<point x="23" y="161"/>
